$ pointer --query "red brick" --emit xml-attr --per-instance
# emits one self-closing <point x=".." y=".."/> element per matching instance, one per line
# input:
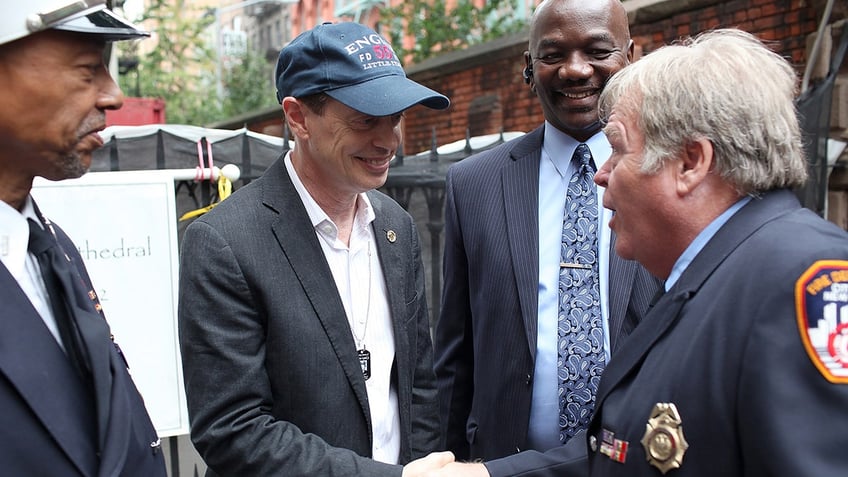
<point x="787" y="22"/>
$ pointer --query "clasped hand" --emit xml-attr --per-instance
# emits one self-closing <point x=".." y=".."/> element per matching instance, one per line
<point x="442" y="464"/>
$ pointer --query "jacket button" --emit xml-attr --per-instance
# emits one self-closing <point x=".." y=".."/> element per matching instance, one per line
<point x="529" y="378"/>
<point x="593" y="443"/>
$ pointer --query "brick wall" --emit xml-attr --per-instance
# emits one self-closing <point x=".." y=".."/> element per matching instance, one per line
<point x="486" y="90"/>
<point x="786" y="22"/>
<point x="488" y="94"/>
<point x="490" y="74"/>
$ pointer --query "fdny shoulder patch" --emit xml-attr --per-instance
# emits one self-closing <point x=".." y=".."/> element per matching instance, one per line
<point x="821" y="304"/>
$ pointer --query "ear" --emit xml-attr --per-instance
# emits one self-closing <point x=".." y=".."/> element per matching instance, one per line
<point x="527" y="73"/>
<point x="695" y="165"/>
<point x="295" y="113"/>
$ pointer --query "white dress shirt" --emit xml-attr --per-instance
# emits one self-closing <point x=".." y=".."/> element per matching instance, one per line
<point x="22" y="265"/>
<point x="362" y="288"/>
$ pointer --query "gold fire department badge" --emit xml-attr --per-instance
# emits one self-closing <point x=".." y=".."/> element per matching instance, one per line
<point x="663" y="440"/>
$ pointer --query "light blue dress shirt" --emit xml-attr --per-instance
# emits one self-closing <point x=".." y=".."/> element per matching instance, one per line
<point x="700" y="241"/>
<point x="555" y="171"/>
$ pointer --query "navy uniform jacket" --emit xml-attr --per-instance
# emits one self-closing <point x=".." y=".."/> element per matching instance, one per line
<point x="48" y="422"/>
<point x="726" y="347"/>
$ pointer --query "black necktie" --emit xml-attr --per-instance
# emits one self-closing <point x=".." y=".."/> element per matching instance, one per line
<point x="56" y="272"/>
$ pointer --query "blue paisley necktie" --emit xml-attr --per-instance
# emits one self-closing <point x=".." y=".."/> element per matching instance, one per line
<point x="580" y="357"/>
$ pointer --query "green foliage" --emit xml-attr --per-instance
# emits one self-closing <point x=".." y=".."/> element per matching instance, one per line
<point x="248" y="84"/>
<point x="438" y="30"/>
<point x="181" y="67"/>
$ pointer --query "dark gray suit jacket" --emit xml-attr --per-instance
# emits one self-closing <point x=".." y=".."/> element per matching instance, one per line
<point x="50" y="424"/>
<point x="486" y="335"/>
<point x="273" y="381"/>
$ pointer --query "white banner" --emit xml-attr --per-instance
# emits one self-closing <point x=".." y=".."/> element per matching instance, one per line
<point x="125" y="227"/>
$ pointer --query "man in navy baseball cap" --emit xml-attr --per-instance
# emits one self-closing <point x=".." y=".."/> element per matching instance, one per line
<point x="354" y="65"/>
<point x="305" y="288"/>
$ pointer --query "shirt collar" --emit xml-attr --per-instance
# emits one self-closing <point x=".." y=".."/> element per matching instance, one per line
<point x="14" y="233"/>
<point x="321" y="222"/>
<point x="701" y="241"/>
<point x="559" y="148"/>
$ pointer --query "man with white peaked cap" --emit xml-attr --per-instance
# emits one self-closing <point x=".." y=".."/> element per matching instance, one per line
<point x="70" y="407"/>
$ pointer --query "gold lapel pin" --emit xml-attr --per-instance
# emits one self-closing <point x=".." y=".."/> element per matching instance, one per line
<point x="391" y="236"/>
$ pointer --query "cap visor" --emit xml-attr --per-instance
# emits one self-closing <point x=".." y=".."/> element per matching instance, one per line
<point x="104" y="24"/>
<point x="388" y="95"/>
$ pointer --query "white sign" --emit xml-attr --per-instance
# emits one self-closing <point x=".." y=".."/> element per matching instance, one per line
<point x="125" y="227"/>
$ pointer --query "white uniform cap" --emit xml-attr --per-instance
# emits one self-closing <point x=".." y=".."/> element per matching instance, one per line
<point x="25" y="17"/>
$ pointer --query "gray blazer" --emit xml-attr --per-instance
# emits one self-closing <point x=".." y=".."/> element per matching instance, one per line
<point x="272" y="378"/>
<point x="486" y="336"/>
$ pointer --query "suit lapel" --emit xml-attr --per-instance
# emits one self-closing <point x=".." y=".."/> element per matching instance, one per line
<point x="520" y="181"/>
<point x="633" y="350"/>
<point x="310" y="266"/>
<point x="95" y="340"/>
<point x="116" y="436"/>
<point x="114" y="414"/>
<point x="38" y="369"/>
<point x="392" y="257"/>
<point x="622" y="273"/>
<point x="667" y="310"/>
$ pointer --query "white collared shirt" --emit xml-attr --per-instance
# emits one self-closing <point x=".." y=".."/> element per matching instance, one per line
<point x="22" y="265"/>
<point x="362" y="288"/>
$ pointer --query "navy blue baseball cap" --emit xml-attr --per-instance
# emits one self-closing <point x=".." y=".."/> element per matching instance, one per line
<point x="354" y="65"/>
